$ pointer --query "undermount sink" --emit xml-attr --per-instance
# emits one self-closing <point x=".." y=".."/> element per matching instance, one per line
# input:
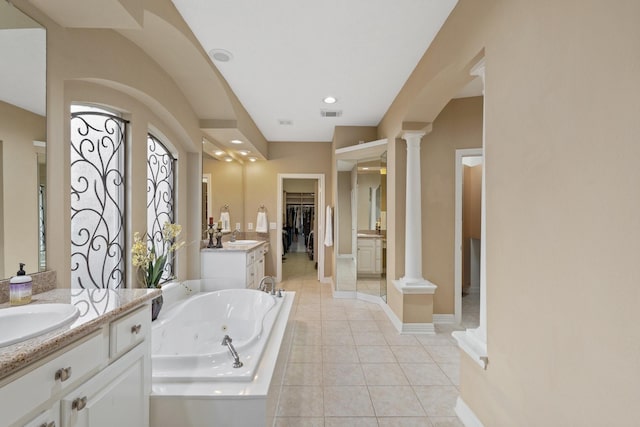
<point x="28" y="321"/>
<point x="243" y="242"/>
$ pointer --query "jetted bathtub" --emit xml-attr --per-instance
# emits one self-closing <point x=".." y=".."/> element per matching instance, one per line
<point x="194" y="382"/>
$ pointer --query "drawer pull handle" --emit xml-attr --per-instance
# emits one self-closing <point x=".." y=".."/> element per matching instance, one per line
<point x="51" y="424"/>
<point x="79" y="403"/>
<point x="63" y="374"/>
<point x="135" y="329"/>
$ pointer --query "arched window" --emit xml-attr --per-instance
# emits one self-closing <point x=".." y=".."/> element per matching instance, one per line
<point x="98" y="139"/>
<point x="160" y="197"/>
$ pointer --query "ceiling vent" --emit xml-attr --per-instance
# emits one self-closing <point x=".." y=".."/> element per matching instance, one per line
<point x="331" y="113"/>
<point x="285" y="122"/>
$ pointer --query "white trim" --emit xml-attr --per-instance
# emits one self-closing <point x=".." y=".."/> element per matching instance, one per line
<point x="41" y="144"/>
<point x="466" y="415"/>
<point x="344" y="294"/>
<point x="320" y="212"/>
<point x="345" y="256"/>
<point x="377" y="148"/>
<point x="457" y="269"/>
<point x="473" y="345"/>
<point x="415" y="287"/>
<point x="448" y="319"/>
<point x="407" y="328"/>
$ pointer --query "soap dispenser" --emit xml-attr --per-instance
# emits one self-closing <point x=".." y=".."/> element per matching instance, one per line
<point x="20" y="288"/>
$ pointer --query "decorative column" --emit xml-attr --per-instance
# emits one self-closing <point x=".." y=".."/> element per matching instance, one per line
<point x="413" y="282"/>
<point x="417" y="293"/>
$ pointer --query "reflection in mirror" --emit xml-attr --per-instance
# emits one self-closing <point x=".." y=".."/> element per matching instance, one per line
<point x="360" y="219"/>
<point x="22" y="146"/>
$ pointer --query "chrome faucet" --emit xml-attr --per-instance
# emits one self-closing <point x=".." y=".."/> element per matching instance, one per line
<point x="236" y="358"/>
<point x="233" y="235"/>
<point x="262" y="285"/>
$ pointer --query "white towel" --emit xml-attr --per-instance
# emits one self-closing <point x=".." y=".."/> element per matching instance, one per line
<point x="226" y="222"/>
<point x="262" y="226"/>
<point x="328" y="229"/>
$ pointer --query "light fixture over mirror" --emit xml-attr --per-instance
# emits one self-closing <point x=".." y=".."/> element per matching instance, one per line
<point x="22" y="142"/>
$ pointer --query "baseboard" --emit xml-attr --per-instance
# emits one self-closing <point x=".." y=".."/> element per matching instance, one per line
<point x="466" y="415"/>
<point x="444" y="319"/>
<point x="344" y="294"/>
<point x="408" y="328"/>
<point x="327" y="280"/>
<point x="346" y="256"/>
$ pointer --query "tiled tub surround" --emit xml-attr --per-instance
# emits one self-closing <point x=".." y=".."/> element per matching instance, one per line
<point x="42" y="282"/>
<point x="97" y="308"/>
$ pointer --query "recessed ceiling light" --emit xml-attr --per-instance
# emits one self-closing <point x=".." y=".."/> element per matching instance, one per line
<point x="236" y="141"/>
<point x="228" y="159"/>
<point x="221" y="55"/>
<point x="218" y="152"/>
<point x="252" y="159"/>
<point x="243" y="152"/>
<point x="330" y="100"/>
<point x="285" y="122"/>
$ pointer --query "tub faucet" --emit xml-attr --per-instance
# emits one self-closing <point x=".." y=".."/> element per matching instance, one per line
<point x="236" y="358"/>
<point x="233" y="235"/>
<point x="262" y="285"/>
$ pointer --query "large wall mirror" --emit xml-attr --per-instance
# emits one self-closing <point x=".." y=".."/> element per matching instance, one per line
<point x="361" y="209"/>
<point x="22" y="142"/>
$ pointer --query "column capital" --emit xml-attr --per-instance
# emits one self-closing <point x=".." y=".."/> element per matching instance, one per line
<point x="416" y="134"/>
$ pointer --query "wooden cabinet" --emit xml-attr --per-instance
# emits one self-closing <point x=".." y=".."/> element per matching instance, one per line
<point x="101" y="380"/>
<point x="369" y="260"/>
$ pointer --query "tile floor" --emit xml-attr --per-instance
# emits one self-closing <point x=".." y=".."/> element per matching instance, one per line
<point x="349" y="367"/>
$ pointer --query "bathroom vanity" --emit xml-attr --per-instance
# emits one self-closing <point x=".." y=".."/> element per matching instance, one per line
<point x="370" y="254"/>
<point x="238" y="264"/>
<point x="92" y="372"/>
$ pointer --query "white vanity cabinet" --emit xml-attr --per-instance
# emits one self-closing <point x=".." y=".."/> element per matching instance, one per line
<point x="102" y="379"/>
<point x="369" y="256"/>
<point x="234" y="268"/>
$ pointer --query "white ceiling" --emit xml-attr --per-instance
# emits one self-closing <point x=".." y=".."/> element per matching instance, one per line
<point x="289" y="54"/>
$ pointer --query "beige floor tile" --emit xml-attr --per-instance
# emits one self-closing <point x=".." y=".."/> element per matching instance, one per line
<point x="301" y="401"/>
<point x="451" y="370"/>
<point x="334" y="314"/>
<point x="411" y="354"/>
<point x="347" y="401"/>
<point x="386" y="327"/>
<point x="369" y="338"/>
<point x="438" y="401"/>
<point x="397" y="339"/>
<point x="363" y="326"/>
<point x="337" y="338"/>
<point x="307" y="337"/>
<point x="335" y="326"/>
<point x="375" y="354"/>
<point x="303" y="374"/>
<point x="299" y="422"/>
<point x="444" y="353"/>
<point x="308" y="315"/>
<point x="343" y="374"/>
<point x="395" y="401"/>
<point x="404" y="422"/>
<point x="437" y="339"/>
<point x="339" y="354"/>
<point x="446" y="422"/>
<point x="359" y="315"/>
<point x="384" y="374"/>
<point x="350" y="422"/>
<point x="425" y="374"/>
<point x="306" y="354"/>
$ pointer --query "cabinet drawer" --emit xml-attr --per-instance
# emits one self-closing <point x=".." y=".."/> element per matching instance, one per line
<point x="251" y="256"/>
<point x="61" y="373"/>
<point x="128" y="331"/>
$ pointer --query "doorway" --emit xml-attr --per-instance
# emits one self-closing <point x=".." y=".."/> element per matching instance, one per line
<point x="468" y="219"/>
<point x="301" y="226"/>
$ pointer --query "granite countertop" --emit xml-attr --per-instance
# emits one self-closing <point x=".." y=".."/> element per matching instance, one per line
<point x="235" y="246"/>
<point x="97" y="307"/>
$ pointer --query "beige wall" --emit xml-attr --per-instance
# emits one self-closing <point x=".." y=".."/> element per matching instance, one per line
<point x="562" y="240"/>
<point x="19" y="204"/>
<point x="458" y="126"/>
<point x="261" y="185"/>
<point x="103" y="67"/>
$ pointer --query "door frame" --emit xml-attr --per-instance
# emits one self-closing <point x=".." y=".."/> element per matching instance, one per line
<point x="319" y="215"/>
<point x="457" y="276"/>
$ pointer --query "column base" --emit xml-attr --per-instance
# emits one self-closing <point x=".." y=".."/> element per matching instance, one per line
<point x="414" y="286"/>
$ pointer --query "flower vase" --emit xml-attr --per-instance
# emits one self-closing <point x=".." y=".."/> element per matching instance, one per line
<point x="156" y="305"/>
